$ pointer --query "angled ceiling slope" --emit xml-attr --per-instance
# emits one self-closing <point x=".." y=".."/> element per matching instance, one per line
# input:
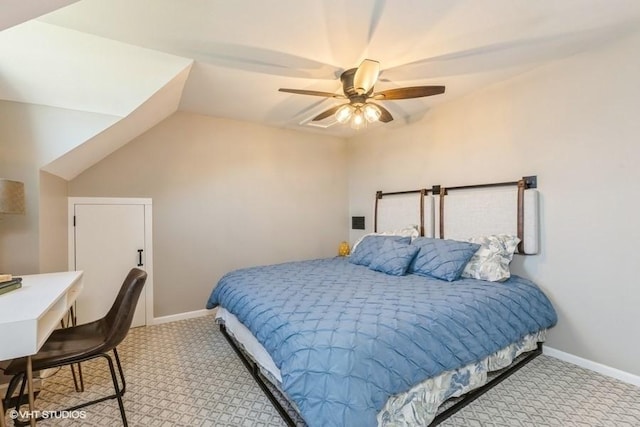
<point x="158" y="107"/>
<point x="14" y="12"/>
<point x="50" y="65"/>
<point x="45" y="65"/>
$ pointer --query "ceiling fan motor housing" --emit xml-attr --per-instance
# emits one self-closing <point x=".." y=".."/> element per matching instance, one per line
<point x="349" y="90"/>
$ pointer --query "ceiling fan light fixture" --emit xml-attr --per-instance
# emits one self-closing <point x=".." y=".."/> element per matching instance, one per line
<point x="358" y="88"/>
<point x="344" y="113"/>
<point x="371" y="112"/>
<point x="358" y="116"/>
<point x="358" y="121"/>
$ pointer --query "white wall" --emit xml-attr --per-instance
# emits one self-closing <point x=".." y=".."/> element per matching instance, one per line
<point x="53" y="223"/>
<point x="30" y="137"/>
<point x="226" y="194"/>
<point x="229" y="194"/>
<point x="575" y="125"/>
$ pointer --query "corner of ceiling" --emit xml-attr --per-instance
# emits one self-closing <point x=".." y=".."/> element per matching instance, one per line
<point x="158" y="107"/>
<point x="17" y="11"/>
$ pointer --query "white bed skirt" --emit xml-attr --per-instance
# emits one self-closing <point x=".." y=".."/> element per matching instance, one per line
<point x="251" y="345"/>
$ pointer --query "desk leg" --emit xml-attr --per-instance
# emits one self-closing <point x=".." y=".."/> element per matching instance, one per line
<point x="32" y="418"/>
<point x="2" y="414"/>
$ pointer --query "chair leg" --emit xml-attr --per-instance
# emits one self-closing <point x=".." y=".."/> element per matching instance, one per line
<point x="117" y="388"/>
<point x="71" y="320"/>
<point x="11" y="387"/>
<point x="117" y="395"/>
<point x="23" y="376"/>
<point x="124" y="383"/>
<point x="78" y="381"/>
<point x="22" y="386"/>
<point x="74" y="322"/>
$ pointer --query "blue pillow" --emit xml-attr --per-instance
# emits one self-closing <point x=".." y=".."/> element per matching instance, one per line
<point x="394" y="258"/>
<point x="442" y="259"/>
<point x="369" y="247"/>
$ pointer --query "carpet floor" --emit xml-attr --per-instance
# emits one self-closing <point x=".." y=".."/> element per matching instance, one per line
<point x="186" y="374"/>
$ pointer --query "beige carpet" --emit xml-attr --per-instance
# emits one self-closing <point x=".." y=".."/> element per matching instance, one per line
<point x="186" y="374"/>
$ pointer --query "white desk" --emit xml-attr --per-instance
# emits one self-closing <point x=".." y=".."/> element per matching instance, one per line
<point x="30" y="314"/>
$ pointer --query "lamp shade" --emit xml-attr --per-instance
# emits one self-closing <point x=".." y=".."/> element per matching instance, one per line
<point x="11" y="197"/>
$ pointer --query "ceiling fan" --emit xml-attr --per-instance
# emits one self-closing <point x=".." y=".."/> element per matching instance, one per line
<point x="357" y="86"/>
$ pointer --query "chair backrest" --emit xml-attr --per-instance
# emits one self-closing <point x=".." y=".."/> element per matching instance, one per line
<point x="118" y="319"/>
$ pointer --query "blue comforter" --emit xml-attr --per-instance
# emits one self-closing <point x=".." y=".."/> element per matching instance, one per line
<point x="346" y="338"/>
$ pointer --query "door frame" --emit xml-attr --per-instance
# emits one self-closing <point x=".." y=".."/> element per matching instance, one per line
<point x="148" y="239"/>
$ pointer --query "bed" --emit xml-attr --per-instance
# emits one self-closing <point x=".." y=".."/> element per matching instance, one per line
<point x="357" y="344"/>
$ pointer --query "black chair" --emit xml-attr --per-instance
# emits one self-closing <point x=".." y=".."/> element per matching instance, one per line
<point x="81" y="343"/>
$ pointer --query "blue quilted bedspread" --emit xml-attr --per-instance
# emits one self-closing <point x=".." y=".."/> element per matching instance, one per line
<point x="345" y="338"/>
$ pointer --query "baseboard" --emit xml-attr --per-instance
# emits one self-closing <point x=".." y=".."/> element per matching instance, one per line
<point x="593" y="366"/>
<point x="183" y="316"/>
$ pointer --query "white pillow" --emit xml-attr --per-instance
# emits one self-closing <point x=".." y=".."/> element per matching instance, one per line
<point x="491" y="261"/>
<point x="409" y="231"/>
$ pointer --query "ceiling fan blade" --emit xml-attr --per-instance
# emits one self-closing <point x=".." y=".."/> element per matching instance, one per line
<point x="408" y="92"/>
<point x="326" y="113"/>
<point x="312" y="92"/>
<point x="366" y="76"/>
<point x="385" y="115"/>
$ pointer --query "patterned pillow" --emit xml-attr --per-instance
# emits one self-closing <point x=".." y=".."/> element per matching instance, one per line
<point x="369" y="247"/>
<point x="491" y="261"/>
<point x="394" y="258"/>
<point x="442" y="259"/>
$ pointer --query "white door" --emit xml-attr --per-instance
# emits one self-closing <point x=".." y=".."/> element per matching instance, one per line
<point x="109" y="241"/>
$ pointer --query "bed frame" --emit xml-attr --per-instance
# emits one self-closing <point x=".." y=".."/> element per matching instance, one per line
<point x="529" y="182"/>
<point x="254" y="370"/>
<point x="263" y="383"/>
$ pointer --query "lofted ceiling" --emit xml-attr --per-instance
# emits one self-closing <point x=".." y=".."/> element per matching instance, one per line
<point x="110" y="56"/>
